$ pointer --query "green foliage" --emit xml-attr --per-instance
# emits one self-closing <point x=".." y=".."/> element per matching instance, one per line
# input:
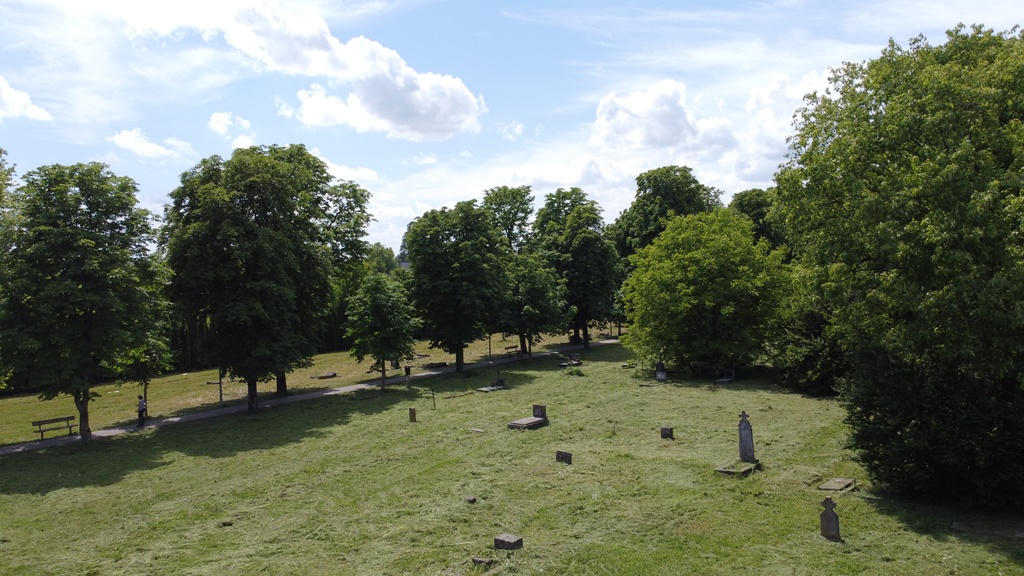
<point x="660" y="194"/>
<point x="381" y="321"/>
<point x="904" y="187"/>
<point x="703" y="293"/>
<point x="79" y="284"/>
<point x="458" y="281"/>
<point x="511" y="209"/>
<point x="536" y="304"/>
<point x="568" y="233"/>
<point x="256" y="244"/>
<point x="756" y="204"/>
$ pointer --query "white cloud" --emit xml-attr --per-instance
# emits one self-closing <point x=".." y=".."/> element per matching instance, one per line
<point x="511" y="131"/>
<point x="656" y="117"/>
<point x="228" y="125"/>
<point x="341" y="172"/>
<point x="135" y="141"/>
<point x="425" y="158"/>
<point x="16" y="104"/>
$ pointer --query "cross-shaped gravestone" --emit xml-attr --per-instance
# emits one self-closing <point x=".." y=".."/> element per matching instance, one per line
<point x="746" y="439"/>
<point x="829" y="520"/>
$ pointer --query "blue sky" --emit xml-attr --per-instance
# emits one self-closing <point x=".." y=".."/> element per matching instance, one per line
<point x="429" y="102"/>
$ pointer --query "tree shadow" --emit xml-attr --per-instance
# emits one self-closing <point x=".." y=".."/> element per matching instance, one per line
<point x="107" y="461"/>
<point x="1001" y="532"/>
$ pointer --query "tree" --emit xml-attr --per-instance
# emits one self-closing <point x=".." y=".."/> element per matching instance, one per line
<point x="255" y="243"/>
<point x="660" y="193"/>
<point x="458" y="283"/>
<point x="7" y="216"/>
<point x="381" y="322"/>
<point x="78" y="281"/>
<point x="569" y="233"/>
<point x="536" y="301"/>
<point x="511" y="209"/>
<point x="903" y="188"/>
<point x="702" y="293"/>
<point x="756" y="204"/>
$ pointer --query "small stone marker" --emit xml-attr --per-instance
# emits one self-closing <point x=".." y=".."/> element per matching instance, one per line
<point x="666" y="433"/>
<point x="746" y="439"/>
<point x="412" y="414"/>
<point x="563" y="456"/>
<point x="471" y="499"/>
<point x="829" y="520"/>
<point x="659" y="372"/>
<point x="838" y="485"/>
<point x="482" y="561"/>
<point x="507" y="542"/>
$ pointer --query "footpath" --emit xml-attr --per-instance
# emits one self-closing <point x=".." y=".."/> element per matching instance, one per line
<point x="269" y="403"/>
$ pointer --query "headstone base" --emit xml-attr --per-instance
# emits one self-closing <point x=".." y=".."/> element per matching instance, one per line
<point x="739" y="468"/>
<point x="507" y="542"/>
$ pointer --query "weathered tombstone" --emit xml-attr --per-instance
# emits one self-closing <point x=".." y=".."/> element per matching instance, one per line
<point x="659" y="372"/>
<point x="540" y="411"/>
<point x="563" y="456"/>
<point x="746" y="439"/>
<point x="666" y="433"/>
<point x="539" y="418"/>
<point x="507" y="542"/>
<point x="829" y="520"/>
<point x="412" y="414"/>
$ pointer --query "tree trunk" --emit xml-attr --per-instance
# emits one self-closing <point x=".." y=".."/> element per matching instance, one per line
<point x="383" y="373"/>
<point x="586" y="337"/>
<point x="251" y="382"/>
<point x="82" y="403"/>
<point x="282" y="384"/>
<point x="460" y="359"/>
<point x="522" y="344"/>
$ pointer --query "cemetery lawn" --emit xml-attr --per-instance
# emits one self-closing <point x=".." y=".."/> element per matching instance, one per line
<point x="347" y="485"/>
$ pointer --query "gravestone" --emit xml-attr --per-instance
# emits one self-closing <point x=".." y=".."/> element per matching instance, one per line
<point x="666" y="433"/>
<point x="540" y="411"/>
<point x="539" y="418"/>
<point x="659" y="372"/>
<point x="412" y="414"/>
<point x="829" y="520"/>
<point x="563" y="456"/>
<point x="746" y="439"/>
<point x="507" y="542"/>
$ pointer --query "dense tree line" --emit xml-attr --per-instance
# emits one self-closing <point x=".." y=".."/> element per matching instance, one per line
<point x="886" y="266"/>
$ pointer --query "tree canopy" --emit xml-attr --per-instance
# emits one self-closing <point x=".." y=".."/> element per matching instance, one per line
<point x="254" y="243"/>
<point x="511" y="209"/>
<point x="458" y="279"/>
<point x="702" y="294"/>
<point x="903" y="188"/>
<point x="79" y="284"/>
<point x="660" y="193"/>
<point x="381" y="322"/>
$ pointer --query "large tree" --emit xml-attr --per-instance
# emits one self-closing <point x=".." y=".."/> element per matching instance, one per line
<point x="458" y="282"/>
<point x="660" y="193"/>
<point x="568" y="233"/>
<point x="903" y="187"/>
<point x="536" y="303"/>
<point x="703" y="293"/>
<point x="256" y="243"/>
<point x="511" y="209"/>
<point x="79" y="282"/>
<point x="381" y="322"/>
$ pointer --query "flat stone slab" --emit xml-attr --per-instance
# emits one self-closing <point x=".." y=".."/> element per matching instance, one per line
<point x="738" y="468"/>
<point x="507" y="542"/>
<point x="492" y="388"/>
<point x="839" y="485"/>
<point x="529" y="423"/>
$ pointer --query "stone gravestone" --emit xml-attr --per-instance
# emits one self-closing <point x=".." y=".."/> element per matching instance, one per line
<point x="666" y="433"/>
<point x="829" y="520"/>
<point x="507" y="542"/>
<point x="659" y="372"/>
<point x="563" y="456"/>
<point x="412" y="414"/>
<point x="746" y="439"/>
<point x="540" y="411"/>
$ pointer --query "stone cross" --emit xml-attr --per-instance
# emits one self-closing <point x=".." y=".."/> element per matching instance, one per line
<point x="829" y="520"/>
<point x="746" y="439"/>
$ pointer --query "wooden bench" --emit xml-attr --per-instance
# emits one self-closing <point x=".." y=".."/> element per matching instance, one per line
<point x="514" y="348"/>
<point x="62" y="423"/>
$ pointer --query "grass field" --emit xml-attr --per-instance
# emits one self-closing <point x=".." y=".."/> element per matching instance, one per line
<point x="347" y="485"/>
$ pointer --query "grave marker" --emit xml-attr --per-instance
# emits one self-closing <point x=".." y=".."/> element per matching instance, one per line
<point x="659" y="372"/>
<point x="746" y="439"/>
<point x="412" y="414"/>
<point x="507" y="542"/>
<point x="829" y="520"/>
<point x="666" y="433"/>
<point x="563" y="456"/>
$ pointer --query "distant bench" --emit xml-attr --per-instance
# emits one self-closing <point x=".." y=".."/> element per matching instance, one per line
<point x="514" y="348"/>
<point x="62" y="423"/>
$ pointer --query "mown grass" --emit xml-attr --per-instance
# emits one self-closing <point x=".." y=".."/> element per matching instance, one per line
<point x="177" y="394"/>
<point x="344" y="485"/>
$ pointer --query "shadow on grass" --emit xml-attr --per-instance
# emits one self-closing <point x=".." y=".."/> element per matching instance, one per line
<point x="1000" y="532"/>
<point x="106" y="461"/>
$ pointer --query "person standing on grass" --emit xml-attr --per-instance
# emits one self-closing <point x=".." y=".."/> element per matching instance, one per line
<point x="142" y="412"/>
